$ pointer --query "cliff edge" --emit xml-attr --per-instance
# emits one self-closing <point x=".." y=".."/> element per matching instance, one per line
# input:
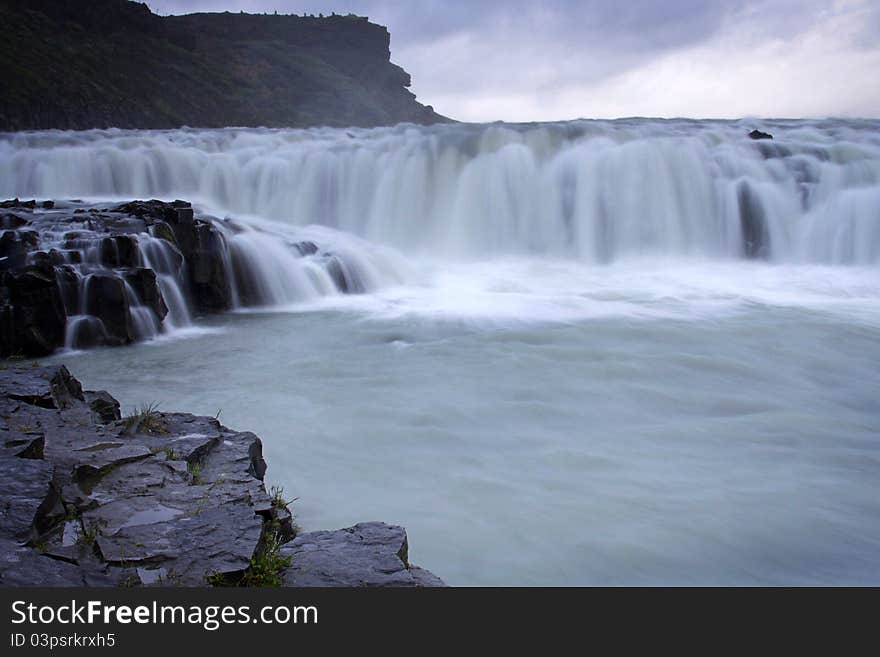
<point x="81" y="64"/>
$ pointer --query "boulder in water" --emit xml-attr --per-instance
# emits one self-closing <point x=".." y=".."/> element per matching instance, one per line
<point x="106" y="299"/>
<point x="85" y="331"/>
<point x="15" y="246"/>
<point x="162" y="230"/>
<point x="120" y="251"/>
<point x="16" y="203"/>
<point x="306" y="248"/>
<point x="145" y="284"/>
<point x="206" y="264"/>
<point x="10" y="220"/>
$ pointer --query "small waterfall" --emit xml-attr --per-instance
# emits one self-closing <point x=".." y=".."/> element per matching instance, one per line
<point x="269" y="271"/>
<point x="83" y="331"/>
<point x="95" y="280"/>
<point x="121" y="288"/>
<point x="162" y="257"/>
<point x="145" y="324"/>
<point x="178" y="308"/>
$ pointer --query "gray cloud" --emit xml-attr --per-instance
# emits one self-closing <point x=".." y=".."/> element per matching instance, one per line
<point x="525" y="60"/>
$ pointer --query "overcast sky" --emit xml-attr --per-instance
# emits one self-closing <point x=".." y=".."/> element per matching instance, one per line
<point x="518" y="60"/>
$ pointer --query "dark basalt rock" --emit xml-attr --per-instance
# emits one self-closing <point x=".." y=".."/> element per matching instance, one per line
<point x="306" y="248"/>
<point x="24" y="566"/>
<point x="28" y="445"/>
<point x="202" y="246"/>
<point x="171" y="498"/>
<point x="757" y="134"/>
<point x="143" y="282"/>
<point x="104" y="407"/>
<point x="47" y="388"/>
<point x="91" y="264"/>
<point x="15" y="204"/>
<point x="105" y="299"/>
<point x="84" y="277"/>
<point x="153" y="209"/>
<point x="65" y="390"/>
<point x="119" y="251"/>
<point x="184" y="214"/>
<point x="194" y="546"/>
<point x="32" y="319"/>
<point x="209" y="279"/>
<point x="9" y="220"/>
<point x="87" y="332"/>
<point x="162" y="230"/>
<point x="24" y="487"/>
<point x="369" y="554"/>
<point x="14" y="247"/>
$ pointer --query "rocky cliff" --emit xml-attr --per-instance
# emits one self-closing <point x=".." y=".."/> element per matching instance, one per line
<point x="80" y="64"/>
<point x="88" y="498"/>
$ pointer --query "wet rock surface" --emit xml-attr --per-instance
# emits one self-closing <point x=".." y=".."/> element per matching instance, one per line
<point x="90" y="498"/>
<point x="370" y="554"/>
<point x="758" y="134"/>
<point x="79" y="277"/>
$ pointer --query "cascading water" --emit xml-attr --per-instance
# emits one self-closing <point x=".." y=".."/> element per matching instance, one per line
<point x="595" y="352"/>
<point x="95" y="271"/>
<point x="160" y="256"/>
<point x="593" y="191"/>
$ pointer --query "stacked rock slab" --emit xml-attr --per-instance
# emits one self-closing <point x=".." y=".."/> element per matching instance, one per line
<point x="88" y="498"/>
<point x="369" y="554"/>
<point x="80" y="277"/>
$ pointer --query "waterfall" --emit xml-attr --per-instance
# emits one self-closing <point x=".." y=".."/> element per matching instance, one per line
<point x="287" y="217"/>
<point x="161" y="256"/>
<point x="130" y="272"/>
<point x="594" y="191"/>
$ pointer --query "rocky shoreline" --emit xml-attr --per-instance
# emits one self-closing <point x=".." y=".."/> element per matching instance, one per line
<point x="89" y="498"/>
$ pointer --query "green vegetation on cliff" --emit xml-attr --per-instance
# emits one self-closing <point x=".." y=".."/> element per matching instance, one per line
<point x="78" y="64"/>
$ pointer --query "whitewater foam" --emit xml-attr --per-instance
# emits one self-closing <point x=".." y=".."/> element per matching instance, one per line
<point x="593" y="191"/>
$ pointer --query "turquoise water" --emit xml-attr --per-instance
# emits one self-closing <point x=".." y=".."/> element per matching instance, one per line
<point x="670" y="433"/>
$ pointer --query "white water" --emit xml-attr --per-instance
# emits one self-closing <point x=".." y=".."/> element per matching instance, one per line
<point x="592" y="352"/>
<point x="159" y="255"/>
<point x="595" y="191"/>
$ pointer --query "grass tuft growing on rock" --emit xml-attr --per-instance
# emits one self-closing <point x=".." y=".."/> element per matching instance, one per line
<point x="90" y="532"/>
<point x="264" y="569"/>
<point x="278" y="501"/>
<point x="266" y="565"/>
<point x="170" y="454"/>
<point x="146" y="419"/>
<point x="195" y="470"/>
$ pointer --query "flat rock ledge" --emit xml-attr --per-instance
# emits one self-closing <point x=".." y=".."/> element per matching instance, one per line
<point x="88" y="498"/>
